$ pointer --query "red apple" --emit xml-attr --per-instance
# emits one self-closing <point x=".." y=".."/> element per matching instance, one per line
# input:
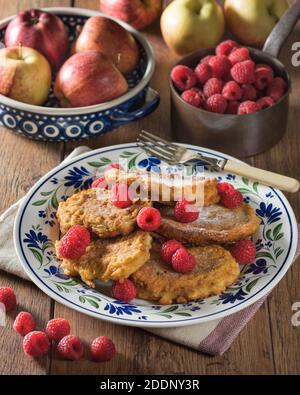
<point x="107" y="36"/>
<point x="138" y="13"/>
<point x="25" y="75"/>
<point x="42" y="31"/>
<point x="88" y="78"/>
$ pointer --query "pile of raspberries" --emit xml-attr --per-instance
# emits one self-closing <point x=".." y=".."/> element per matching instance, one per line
<point x="229" y="82"/>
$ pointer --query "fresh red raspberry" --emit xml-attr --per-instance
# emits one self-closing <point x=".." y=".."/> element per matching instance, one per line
<point x="120" y="196"/>
<point x="36" y="344"/>
<point x="239" y="55"/>
<point x="8" y="298"/>
<point x="70" y="348"/>
<point x="206" y="59"/>
<point x="232" y="198"/>
<point x="216" y="103"/>
<point x="248" y="92"/>
<point x="280" y="82"/>
<point x="243" y="251"/>
<point x="265" y="102"/>
<point x="183" y="214"/>
<point x="220" y="66"/>
<point x="275" y="91"/>
<point x="125" y="291"/>
<point x="168" y="249"/>
<point x="114" y="166"/>
<point x="193" y="97"/>
<point x="183" y="261"/>
<point x="212" y="87"/>
<point x="225" y="47"/>
<point x="248" y="107"/>
<point x="263" y="77"/>
<point x="203" y="72"/>
<point x="224" y="186"/>
<point x="183" y="77"/>
<point x="232" y="91"/>
<point x="243" y="72"/>
<point x="103" y="349"/>
<point x="149" y="219"/>
<point x="232" y="107"/>
<point x="58" y="328"/>
<point x="24" y="323"/>
<point x="99" y="183"/>
<point x="74" y="242"/>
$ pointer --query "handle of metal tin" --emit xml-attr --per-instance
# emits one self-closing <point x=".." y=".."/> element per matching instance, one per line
<point x="282" y="30"/>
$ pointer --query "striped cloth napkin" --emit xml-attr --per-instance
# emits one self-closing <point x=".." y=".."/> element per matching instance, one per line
<point x="213" y="337"/>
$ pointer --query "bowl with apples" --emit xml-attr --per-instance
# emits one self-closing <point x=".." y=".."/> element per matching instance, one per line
<point x="71" y="74"/>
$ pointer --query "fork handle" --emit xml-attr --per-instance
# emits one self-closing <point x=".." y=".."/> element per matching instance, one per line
<point x="283" y="183"/>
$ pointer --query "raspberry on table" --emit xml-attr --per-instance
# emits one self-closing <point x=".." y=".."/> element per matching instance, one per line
<point x="103" y="349"/>
<point x="263" y="77"/>
<point x="216" y="103"/>
<point x="57" y="328"/>
<point x="183" y="214"/>
<point x="232" y="107"/>
<point x="183" y="261"/>
<point x="24" y="323"/>
<point x="225" y="47"/>
<point x="149" y="219"/>
<point x="8" y="298"/>
<point x="232" y="198"/>
<point x="183" y="77"/>
<point x="243" y="72"/>
<point x="244" y="251"/>
<point x="248" y="92"/>
<point x="239" y="55"/>
<point x="73" y="244"/>
<point x="193" y="96"/>
<point x="203" y="72"/>
<point x="206" y="59"/>
<point x="247" y="107"/>
<point x="224" y="186"/>
<point x="100" y="183"/>
<point x="120" y="196"/>
<point x="265" y="102"/>
<point x="220" y="66"/>
<point x="232" y="91"/>
<point x="36" y="344"/>
<point x="168" y="249"/>
<point x="70" y="348"/>
<point x="124" y="291"/>
<point x="212" y="87"/>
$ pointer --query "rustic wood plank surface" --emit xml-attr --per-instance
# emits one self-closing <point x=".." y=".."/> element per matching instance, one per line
<point x="268" y="344"/>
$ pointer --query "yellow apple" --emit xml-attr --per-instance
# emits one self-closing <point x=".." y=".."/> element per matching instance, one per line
<point x="188" y="25"/>
<point x="252" y="21"/>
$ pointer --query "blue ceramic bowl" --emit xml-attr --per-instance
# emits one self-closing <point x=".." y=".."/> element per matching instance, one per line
<point x="51" y="123"/>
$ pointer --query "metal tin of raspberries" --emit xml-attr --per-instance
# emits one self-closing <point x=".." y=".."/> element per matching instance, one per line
<point x="51" y="123"/>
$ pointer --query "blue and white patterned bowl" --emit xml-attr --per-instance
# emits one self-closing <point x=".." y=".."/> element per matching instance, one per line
<point x="36" y="230"/>
<point x="49" y="122"/>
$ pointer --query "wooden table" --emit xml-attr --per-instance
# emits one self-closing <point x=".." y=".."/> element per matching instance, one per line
<point x="269" y="344"/>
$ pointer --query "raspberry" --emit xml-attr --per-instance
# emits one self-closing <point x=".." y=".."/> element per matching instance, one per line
<point x="206" y="59"/>
<point x="70" y="348"/>
<point x="99" y="183"/>
<point x="8" y="298"/>
<point x="224" y="186"/>
<point x="216" y="103"/>
<point x="183" y="261"/>
<point x="212" y="87"/>
<point x="103" y="349"/>
<point x="248" y="107"/>
<point x="280" y="82"/>
<point x="263" y="77"/>
<point x="248" y="92"/>
<point x="168" y="249"/>
<point x="232" y="91"/>
<point x="74" y="242"/>
<point x="182" y="214"/>
<point x="125" y="291"/>
<point x="203" y="72"/>
<point x="239" y="55"/>
<point x="121" y="197"/>
<point x="231" y="198"/>
<point x="36" y="344"/>
<point x="275" y="90"/>
<point x="183" y="77"/>
<point x="58" y="328"/>
<point x="265" y="102"/>
<point x="114" y="166"/>
<point x="220" y="66"/>
<point x="243" y="72"/>
<point x="193" y="97"/>
<point x="243" y="251"/>
<point x="232" y="107"/>
<point x="149" y="219"/>
<point x="24" y="323"/>
<point x="225" y="47"/>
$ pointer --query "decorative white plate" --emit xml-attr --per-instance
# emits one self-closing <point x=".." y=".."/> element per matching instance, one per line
<point x="36" y="230"/>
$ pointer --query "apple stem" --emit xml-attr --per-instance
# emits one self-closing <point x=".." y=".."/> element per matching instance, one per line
<point x="20" y="50"/>
<point x="119" y="58"/>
